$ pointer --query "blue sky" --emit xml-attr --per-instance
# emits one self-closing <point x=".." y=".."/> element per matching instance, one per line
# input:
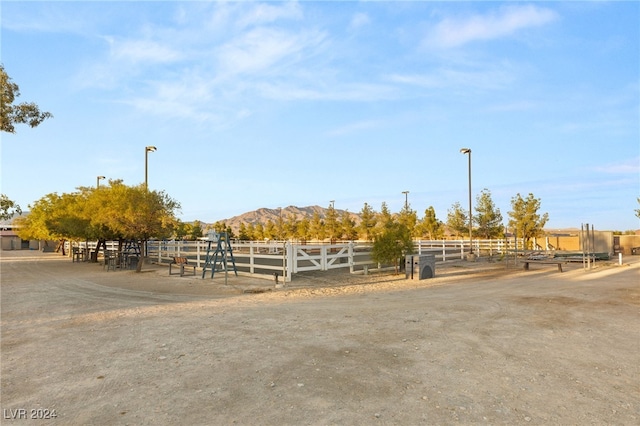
<point x="299" y="103"/>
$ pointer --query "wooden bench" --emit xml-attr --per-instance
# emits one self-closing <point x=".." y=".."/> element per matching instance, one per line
<point x="544" y="262"/>
<point x="183" y="263"/>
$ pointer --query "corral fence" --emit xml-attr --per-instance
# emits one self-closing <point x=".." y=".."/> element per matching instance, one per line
<point x="286" y="258"/>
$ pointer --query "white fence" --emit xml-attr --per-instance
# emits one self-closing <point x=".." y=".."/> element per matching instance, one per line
<point x="285" y="258"/>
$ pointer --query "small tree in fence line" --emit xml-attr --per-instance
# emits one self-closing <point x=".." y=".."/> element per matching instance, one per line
<point x="457" y="219"/>
<point x="525" y="219"/>
<point x="392" y="244"/>
<point x="430" y="226"/>
<point x="488" y="218"/>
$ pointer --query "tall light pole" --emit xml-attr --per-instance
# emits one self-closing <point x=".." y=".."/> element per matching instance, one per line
<point x="468" y="151"/>
<point x="406" y="200"/>
<point x="98" y="181"/>
<point x="147" y="149"/>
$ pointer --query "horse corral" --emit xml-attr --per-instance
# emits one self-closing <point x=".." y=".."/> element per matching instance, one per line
<point x="478" y="343"/>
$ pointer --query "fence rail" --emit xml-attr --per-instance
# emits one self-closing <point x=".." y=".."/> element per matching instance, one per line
<point x="285" y="258"/>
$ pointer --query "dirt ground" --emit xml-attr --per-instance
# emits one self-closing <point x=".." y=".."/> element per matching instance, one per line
<point x="480" y="343"/>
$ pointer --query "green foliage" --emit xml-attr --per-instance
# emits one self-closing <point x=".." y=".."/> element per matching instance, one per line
<point x="270" y="230"/>
<point x="10" y="114"/>
<point x="258" y="234"/>
<point x="367" y="222"/>
<point x="430" y="226"/>
<point x="114" y="212"/>
<point x="488" y="218"/>
<point x="348" y="227"/>
<point x="221" y="227"/>
<point x="392" y="244"/>
<point x="457" y="220"/>
<point x="638" y="210"/>
<point x="303" y="229"/>
<point x="409" y="219"/>
<point x="196" y="230"/>
<point x="331" y="223"/>
<point x="35" y="225"/>
<point x="525" y="219"/>
<point x="317" y="229"/>
<point x="243" y="233"/>
<point x="8" y="208"/>
<point x="384" y="218"/>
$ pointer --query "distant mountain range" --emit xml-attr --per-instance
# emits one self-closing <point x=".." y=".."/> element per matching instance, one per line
<point x="264" y="215"/>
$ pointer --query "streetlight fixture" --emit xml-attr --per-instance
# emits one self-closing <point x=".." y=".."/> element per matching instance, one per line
<point x="147" y="150"/>
<point x="468" y="151"/>
<point x="98" y="181"/>
<point x="406" y="200"/>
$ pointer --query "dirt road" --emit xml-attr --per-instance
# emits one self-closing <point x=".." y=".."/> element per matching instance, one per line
<point x="474" y="345"/>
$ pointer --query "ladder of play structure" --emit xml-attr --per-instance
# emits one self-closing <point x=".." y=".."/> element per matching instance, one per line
<point x="218" y="257"/>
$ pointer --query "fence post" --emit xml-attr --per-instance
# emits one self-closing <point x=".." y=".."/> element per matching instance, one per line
<point x="444" y="251"/>
<point x="293" y="265"/>
<point x="251" y="251"/>
<point x="323" y="258"/>
<point x="351" y="260"/>
<point x="290" y="260"/>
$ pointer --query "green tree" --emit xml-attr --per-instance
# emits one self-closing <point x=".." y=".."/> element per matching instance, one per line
<point x="243" y="232"/>
<point x="8" y="208"/>
<point x="196" y="230"/>
<point x="24" y="113"/>
<point x="290" y="226"/>
<point x="280" y="232"/>
<point x="430" y="226"/>
<point x="638" y="210"/>
<point x="488" y="218"/>
<point x="366" y="228"/>
<point x="39" y="224"/>
<point x="181" y="230"/>
<point x="135" y="213"/>
<point x="331" y="223"/>
<point x="457" y="220"/>
<point x="525" y="219"/>
<point x="408" y="218"/>
<point x="348" y="226"/>
<point x="303" y="229"/>
<point x="259" y="233"/>
<point x="392" y="244"/>
<point x="270" y="230"/>
<point x="317" y="229"/>
<point x="384" y="218"/>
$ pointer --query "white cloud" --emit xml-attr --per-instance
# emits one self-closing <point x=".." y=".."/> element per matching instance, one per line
<point x="354" y="127"/>
<point x="631" y="166"/>
<point x="319" y="91"/>
<point x="147" y="51"/>
<point x="506" y="21"/>
<point x="359" y="20"/>
<point x="262" y="48"/>
<point x="265" y="13"/>
<point x="476" y="77"/>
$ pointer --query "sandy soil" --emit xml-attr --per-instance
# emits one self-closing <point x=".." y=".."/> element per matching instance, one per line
<point x="480" y="343"/>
